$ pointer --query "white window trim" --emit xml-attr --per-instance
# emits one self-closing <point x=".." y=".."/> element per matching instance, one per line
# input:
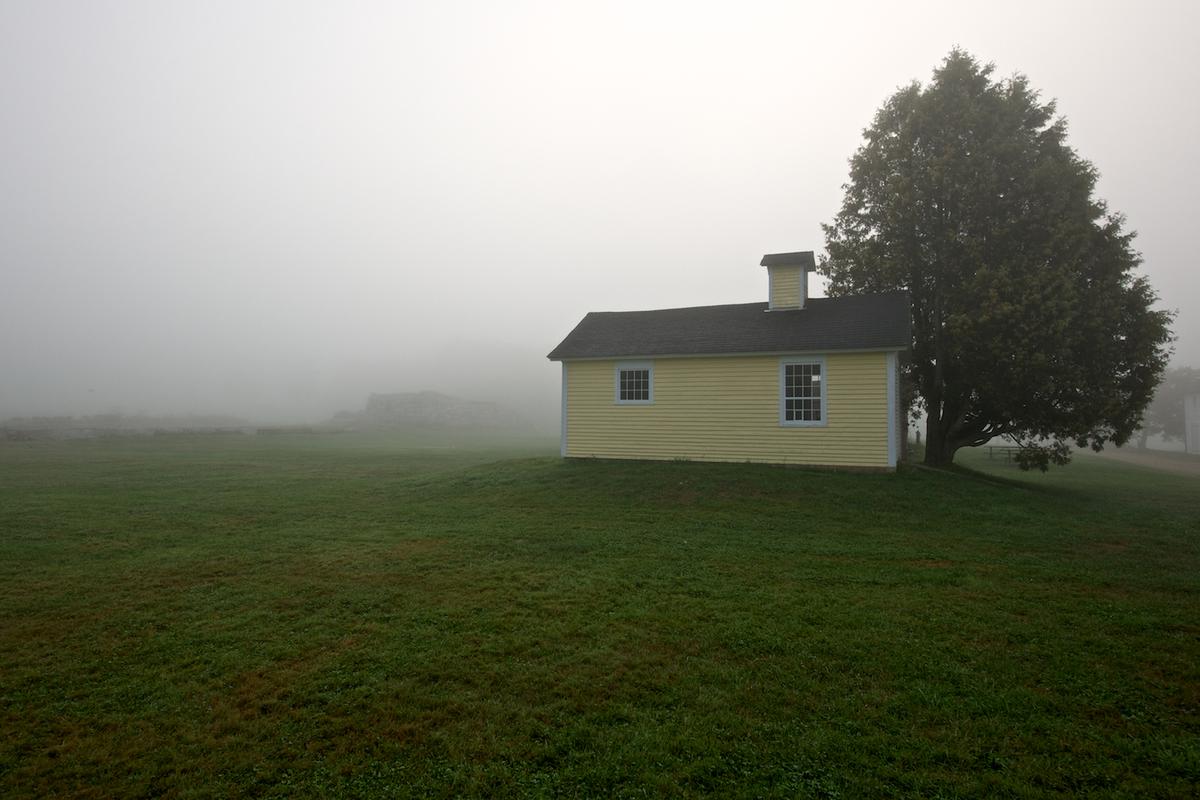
<point x="646" y="365"/>
<point x="784" y="422"/>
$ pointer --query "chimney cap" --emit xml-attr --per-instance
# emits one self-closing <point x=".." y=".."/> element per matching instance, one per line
<point x="804" y="259"/>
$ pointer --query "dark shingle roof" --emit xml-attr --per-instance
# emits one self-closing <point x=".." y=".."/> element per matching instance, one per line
<point x="860" y="322"/>
<point x="804" y="258"/>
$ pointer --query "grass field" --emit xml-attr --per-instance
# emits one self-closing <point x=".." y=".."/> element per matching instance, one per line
<point x="331" y="616"/>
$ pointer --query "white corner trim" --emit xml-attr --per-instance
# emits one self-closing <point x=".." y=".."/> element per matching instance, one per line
<point x="893" y="402"/>
<point x="620" y="365"/>
<point x="562" y="436"/>
<point x="770" y="289"/>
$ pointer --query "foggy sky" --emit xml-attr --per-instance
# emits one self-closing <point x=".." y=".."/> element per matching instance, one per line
<point x="272" y="209"/>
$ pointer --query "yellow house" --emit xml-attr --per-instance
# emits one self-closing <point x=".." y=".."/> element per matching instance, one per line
<point x="794" y="380"/>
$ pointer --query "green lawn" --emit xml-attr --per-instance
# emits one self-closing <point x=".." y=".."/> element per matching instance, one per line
<point x="332" y="616"/>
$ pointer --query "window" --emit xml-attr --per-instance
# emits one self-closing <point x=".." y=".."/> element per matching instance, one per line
<point x="802" y="392"/>
<point x="635" y="383"/>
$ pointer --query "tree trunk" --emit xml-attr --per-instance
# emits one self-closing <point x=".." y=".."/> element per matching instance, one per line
<point x="938" y="450"/>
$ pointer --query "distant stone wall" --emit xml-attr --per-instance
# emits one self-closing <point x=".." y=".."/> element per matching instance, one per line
<point x="433" y="409"/>
<point x="17" y="429"/>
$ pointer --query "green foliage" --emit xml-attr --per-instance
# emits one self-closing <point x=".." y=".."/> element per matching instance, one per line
<point x="1165" y="413"/>
<point x="335" y="616"/>
<point x="1028" y="319"/>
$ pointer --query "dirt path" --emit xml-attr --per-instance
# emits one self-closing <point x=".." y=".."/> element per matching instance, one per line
<point x="1168" y="462"/>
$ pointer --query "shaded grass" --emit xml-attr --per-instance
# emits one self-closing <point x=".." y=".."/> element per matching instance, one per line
<point x="337" y="616"/>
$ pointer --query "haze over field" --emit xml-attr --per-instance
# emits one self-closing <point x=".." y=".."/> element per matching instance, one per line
<point x="275" y="209"/>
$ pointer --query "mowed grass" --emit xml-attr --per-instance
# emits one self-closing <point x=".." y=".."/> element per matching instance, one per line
<point x="332" y="616"/>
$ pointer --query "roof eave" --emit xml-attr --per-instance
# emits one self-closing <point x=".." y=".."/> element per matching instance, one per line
<point x="747" y="353"/>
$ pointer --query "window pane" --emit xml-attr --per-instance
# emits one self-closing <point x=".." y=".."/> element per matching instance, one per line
<point x="802" y="392"/>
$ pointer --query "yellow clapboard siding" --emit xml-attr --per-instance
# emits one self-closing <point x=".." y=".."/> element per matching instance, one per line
<point x="785" y="287"/>
<point x="727" y="409"/>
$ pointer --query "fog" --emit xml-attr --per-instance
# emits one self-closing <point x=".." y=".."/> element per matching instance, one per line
<point x="274" y="209"/>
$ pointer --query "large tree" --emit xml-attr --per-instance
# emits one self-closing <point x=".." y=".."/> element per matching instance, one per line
<point x="1029" y="320"/>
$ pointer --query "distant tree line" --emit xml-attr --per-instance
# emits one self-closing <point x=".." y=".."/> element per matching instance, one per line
<point x="1164" y="415"/>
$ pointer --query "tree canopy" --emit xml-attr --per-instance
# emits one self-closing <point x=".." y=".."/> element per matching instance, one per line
<point x="1029" y="320"/>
